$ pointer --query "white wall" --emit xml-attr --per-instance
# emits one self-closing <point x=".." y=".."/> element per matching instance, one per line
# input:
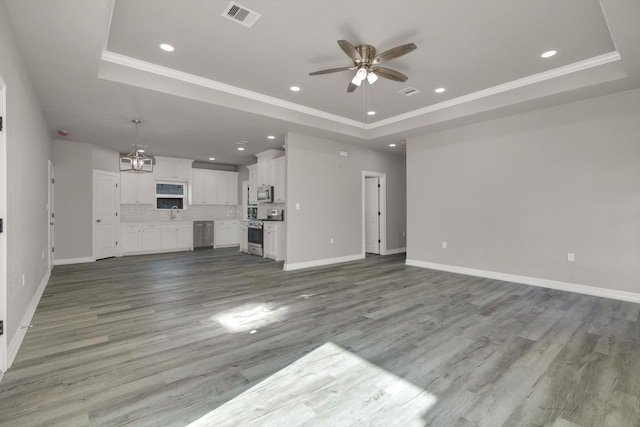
<point x="517" y="194"/>
<point x="328" y="188"/>
<point x="73" y="162"/>
<point x="28" y="152"/>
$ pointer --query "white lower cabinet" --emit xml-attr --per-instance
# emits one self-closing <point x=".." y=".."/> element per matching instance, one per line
<point x="177" y="236"/>
<point x="151" y="238"/>
<point x="274" y="240"/>
<point x="140" y="238"/>
<point x="226" y="232"/>
<point x="244" y="236"/>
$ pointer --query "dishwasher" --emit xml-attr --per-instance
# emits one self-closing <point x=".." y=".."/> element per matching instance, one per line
<point x="202" y="234"/>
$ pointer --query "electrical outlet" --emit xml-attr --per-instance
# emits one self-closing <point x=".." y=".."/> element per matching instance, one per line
<point x="404" y="234"/>
<point x="297" y="206"/>
<point x="444" y="245"/>
<point x="571" y="257"/>
<point x="331" y="240"/>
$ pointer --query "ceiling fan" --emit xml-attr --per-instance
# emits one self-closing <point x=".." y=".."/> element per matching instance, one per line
<point x="365" y="61"/>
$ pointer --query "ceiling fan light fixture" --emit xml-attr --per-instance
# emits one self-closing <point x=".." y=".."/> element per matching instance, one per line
<point x="356" y="80"/>
<point x="372" y="77"/>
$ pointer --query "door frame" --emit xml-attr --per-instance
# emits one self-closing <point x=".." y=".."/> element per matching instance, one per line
<point x="116" y="227"/>
<point x="3" y="235"/>
<point x="51" y="214"/>
<point x="382" y="203"/>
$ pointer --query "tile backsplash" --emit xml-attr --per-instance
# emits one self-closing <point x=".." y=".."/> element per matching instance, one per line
<point x="264" y="208"/>
<point x="148" y="213"/>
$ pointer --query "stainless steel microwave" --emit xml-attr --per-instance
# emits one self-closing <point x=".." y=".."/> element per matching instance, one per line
<point x="265" y="194"/>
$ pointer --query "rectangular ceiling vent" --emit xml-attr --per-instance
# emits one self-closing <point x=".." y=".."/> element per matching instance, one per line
<point x="409" y="91"/>
<point x="240" y="14"/>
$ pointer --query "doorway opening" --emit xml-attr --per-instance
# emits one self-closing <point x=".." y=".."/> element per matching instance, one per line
<point x="374" y="213"/>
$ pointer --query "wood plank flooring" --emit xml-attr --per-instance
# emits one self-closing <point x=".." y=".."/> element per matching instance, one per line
<point x="214" y="338"/>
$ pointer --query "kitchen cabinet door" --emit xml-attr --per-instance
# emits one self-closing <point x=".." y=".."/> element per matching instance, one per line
<point x="137" y="188"/>
<point x="151" y="237"/>
<point x="169" y="237"/>
<point x="278" y="174"/>
<point x="231" y="188"/>
<point x="244" y="237"/>
<point x="172" y="169"/>
<point x="253" y="184"/>
<point x="146" y="188"/>
<point x="234" y="232"/>
<point x="184" y="237"/>
<point x="198" y="188"/>
<point x="269" y="244"/>
<point x="220" y="234"/>
<point x="131" y="238"/>
<point x="274" y="240"/>
<point x="128" y="188"/>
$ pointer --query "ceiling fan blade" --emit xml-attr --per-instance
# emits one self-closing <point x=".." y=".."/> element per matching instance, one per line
<point x="351" y="87"/>
<point x="390" y="74"/>
<point x="331" y="70"/>
<point x="394" y="52"/>
<point x="350" y="50"/>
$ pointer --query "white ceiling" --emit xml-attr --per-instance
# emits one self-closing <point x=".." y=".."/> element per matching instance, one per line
<point x="96" y="65"/>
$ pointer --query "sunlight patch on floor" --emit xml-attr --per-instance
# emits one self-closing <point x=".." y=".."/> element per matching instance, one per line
<point x="250" y="317"/>
<point x="329" y="386"/>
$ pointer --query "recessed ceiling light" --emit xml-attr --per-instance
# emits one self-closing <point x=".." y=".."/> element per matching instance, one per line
<point x="240" y="148"/>
<point x="549" y="54"/>
<point x="212" y="158"/>
<point x="167" y="47"/>
<point x="271" y="137"/>
<point x="440" y="90"/>
<point x="241" y="142"/>
<point x="140" y="150"/>
<point x="392" y="145"/>
<point x="295" y="88"/>
<point x="371" y="113"/>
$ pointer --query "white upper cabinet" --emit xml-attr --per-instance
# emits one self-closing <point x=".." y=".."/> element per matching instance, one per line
<point x="253" y="184"/>
<point x="265" y="176"/>
<point x="169" y="168"/>
<point x="211" y="187"/>
<point x="278" y="174"/>
<point x="137" y="188"/>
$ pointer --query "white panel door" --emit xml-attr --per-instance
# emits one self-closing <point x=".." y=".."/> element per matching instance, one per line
<point x="371" y="216"/>
<point x="106" y="203"/>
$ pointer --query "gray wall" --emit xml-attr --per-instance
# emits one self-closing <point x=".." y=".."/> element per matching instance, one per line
<point x="515" y="195"/>
<point x="28" y="151"/>
<point x="73" y="162"/>
<point x="328" y="188"/>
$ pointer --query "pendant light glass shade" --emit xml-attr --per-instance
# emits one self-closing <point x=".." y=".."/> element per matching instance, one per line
<point x="136" y="161"/>
<point x="372" y="77"/>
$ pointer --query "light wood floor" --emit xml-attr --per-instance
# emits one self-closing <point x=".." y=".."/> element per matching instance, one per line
<point x="221" y="338"/>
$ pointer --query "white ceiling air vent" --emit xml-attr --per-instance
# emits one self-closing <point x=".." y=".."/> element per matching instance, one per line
<point x="409" y="91"/>
<point x="240" y="14"/>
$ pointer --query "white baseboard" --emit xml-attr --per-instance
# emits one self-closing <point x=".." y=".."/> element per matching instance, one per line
<point x="72" y="261"/>
<point x="533" y="281"/>
<point x="16" y="342"/>
<point x="321" y="262"/>
<point x="395" y="251"/>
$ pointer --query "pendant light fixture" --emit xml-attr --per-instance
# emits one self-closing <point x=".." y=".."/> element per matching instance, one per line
<point x="136" y="161"/>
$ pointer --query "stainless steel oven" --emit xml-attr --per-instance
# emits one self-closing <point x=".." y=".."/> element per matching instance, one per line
<point x="255" y="237"/>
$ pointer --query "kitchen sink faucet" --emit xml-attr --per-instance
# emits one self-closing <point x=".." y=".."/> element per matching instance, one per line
<point x="174" y="213"/>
